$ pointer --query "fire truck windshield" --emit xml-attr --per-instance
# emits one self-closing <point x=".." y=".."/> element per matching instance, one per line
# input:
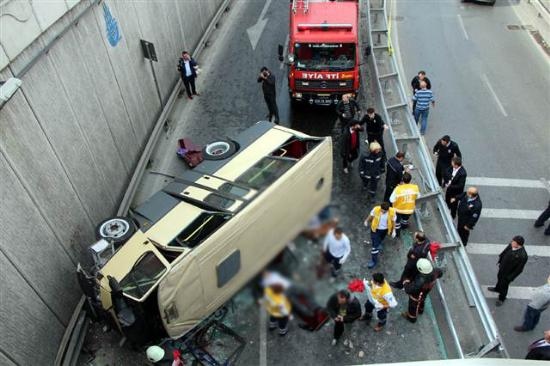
<point x="324" y="56"/>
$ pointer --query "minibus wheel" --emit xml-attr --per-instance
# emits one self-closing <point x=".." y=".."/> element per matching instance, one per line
<point x="218" y="150"/>
<point x="115" y="229"/>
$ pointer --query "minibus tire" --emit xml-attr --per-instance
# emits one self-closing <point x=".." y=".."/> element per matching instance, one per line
<point x="116" y="230"/>
<point x="219" y="150"/>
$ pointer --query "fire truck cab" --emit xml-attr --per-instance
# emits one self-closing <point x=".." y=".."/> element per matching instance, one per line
<point x="323" y="50"/>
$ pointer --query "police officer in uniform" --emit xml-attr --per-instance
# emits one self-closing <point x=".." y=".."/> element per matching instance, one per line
<point x="445" y="149"/>
<point x="469" y="209"/>
<point x="394" y="174"/>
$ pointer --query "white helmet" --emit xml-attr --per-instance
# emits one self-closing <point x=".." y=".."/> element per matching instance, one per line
<point x="424" y="266"/>
<point x="154" y="353"/>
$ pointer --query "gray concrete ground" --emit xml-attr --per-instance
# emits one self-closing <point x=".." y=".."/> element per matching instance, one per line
<point x="492" y="86"/>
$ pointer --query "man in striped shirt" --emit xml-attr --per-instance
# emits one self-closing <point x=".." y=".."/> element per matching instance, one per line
<point x="423" y="97"/>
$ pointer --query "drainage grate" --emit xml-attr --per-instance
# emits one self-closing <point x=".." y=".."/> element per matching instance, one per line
<point x="527" y="27"/>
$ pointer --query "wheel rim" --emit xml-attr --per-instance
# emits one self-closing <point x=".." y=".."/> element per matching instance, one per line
<point x="217" y="148"/>
<point x="114" y="228"/>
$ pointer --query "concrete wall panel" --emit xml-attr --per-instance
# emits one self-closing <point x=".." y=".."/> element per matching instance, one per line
<point x="78" y="85"/>
<point x="5" y="361"/>
<point x="49" y="102"/>
<point x="30" y="333"/>
<point x="98" y="65"/>
<point x="36" y="164"/>
<point x="190" y="15"/>
<point x="125" y="77"/>
<point x="18" y="27"/>
<point x="47" y="12"/>
<point x="23" y="235"/>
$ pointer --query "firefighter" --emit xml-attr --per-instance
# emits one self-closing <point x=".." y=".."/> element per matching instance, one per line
<point x="419" y="288"/>
<point x="164" y="355"/>
<point x="403" y="200"/>
<point x="445" y="149"/>
<point x="382" y="222"/>
<point x="420" y="249"/>
<point x="370" y="168"/>
<point x="394" y="173"/>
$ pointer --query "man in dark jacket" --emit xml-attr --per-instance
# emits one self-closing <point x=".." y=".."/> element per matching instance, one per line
<point x="420" y="249"/>
<point x="511" y="262"/>
<point x="188" y="71"/>
<point x="415" y="84"/>
<point x="544" y="216"/>
<point x="348" y="111"/>
<point x="455" y="180"/>
<point x="394" y="174"/>
<point x="469" y="209"/>
<point x="419" y="288"/>
<point x="268" y="87"/>
<point x="446" y="150"/>
<point x="370" y="168"/>
<point x="343" y="308"/>
<point x="350" y="145"/>
<point x="375" y="126"/>
<point x="540" y="349"/>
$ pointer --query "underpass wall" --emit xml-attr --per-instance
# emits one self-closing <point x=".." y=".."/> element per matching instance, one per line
<point x="69" y="141"/>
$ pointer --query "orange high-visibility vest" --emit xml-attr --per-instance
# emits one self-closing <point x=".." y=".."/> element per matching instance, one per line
<point x="405" y="198"/>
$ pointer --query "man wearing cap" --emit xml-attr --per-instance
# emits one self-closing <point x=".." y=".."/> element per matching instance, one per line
<point x="382" y="222"/>
<point x="540" y="300"/>
<point x="164" y="355"/>
<point x="419" y="288"/>
<point x="511" y="262"/>
<point x="419" y="249"/>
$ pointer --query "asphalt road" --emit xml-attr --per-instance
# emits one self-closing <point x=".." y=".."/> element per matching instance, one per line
<point x="492" y="86"/>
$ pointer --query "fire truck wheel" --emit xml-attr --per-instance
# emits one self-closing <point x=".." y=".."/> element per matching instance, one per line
<point x="115" y="229"/>
<point x="219" y="150"/>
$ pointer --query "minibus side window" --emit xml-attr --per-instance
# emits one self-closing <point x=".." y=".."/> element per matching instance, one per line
<point x="233" y="190"/>
<point x="146" y="272"/>
<point x="265" y="172"/>
<point x="200" y="229"/>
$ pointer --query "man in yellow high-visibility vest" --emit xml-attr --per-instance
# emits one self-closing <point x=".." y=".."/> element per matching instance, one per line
<point x="403" y="199"/>
<point x="382" y="222"/>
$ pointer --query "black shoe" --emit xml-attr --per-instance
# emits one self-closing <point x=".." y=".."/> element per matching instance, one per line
<point x="538" y="224"/>
<point x="396" y="284"/>
<point x="492" y="289"/>
<point x="499" y="302"/>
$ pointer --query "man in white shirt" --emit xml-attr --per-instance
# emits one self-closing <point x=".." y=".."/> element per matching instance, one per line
<point x="188" y="71"/>
<point x="336" y="249"/>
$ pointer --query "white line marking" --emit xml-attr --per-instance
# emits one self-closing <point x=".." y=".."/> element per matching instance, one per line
<point x="514" y="292"/>
<point x="495" y="96"/>
<point x="461" y="22"/>
<point x="505" y="213"/>
<point x="504" y="182"/>
<point x="263" y="337"/>
<point x="496" y="249"/>
<point x="285" y="50"/>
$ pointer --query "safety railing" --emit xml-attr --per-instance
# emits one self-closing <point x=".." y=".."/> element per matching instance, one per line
<point x="405" y="137"/>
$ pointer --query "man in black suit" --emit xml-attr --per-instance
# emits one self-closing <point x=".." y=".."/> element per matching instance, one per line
<point x="469" y="209"/>
<point x="268" y="87"/>
<point x="445" y="149"/>
<point x="188" y="71"/>
<point x="511" y="262"/>
<point x="394" y="174"/>
<point x="540" y="349"/>
<point x="455" y="180"/>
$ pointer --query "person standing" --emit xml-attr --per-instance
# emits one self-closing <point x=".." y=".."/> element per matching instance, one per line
<point x="420" y="249"/>
<point x="394" y="173"/>
<point x="348" y="110"/>
<point x="445" y="149"/>
<point x="540" y="349"/>
<point x="419" y="288"/>
<point x="350" y="145"/>
<point x="370" y="168"/>
<point x="343" y="309"/>
<point x="382" y="222"/>
<point x="511" y="262"/>
<point x="415" y="83"/>
<point x="423" y="97"/>
<point x="270" y="95"/>
<point x="455" y="181"/>
<point x="469" y="209"/>
<point x="278" y="306"/>
<point x="545" y="215"/>
<point x="380" y="298"/>
<point x="188" y="71"/>
<point x="336" y="249"/>
<point x="375" y="126"/>
<point x="540" y="300"/>
<point x="403" y="199"/>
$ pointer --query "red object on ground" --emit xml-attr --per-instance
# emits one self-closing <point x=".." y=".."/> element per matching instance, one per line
<point x="356" y="285"/>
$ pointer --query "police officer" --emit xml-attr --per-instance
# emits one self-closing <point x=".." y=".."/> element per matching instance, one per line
<point x="394" y="173"/>
<point x="445" y="149"/>
<point x="469" y="209"/>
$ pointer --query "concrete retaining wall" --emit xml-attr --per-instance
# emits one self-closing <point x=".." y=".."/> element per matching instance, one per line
<point x="69" y="140"/>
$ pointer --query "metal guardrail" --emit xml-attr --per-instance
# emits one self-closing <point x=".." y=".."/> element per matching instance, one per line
<point x="400" y="109"/>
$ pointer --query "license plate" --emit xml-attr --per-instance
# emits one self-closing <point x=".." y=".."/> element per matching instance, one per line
<point x="323" y="101"/>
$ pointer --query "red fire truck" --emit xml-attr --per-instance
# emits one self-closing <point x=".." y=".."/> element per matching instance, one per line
<point x="323" y="51"/>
